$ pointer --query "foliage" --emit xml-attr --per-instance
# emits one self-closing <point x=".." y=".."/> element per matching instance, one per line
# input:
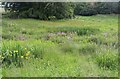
<point x="88" y="9"/>
<point x="107" y="60"/>
<point x="57" y="49"/>
<point x="85" y="9"/>
<point x="58" y="10"/>
<point x="106" y="7"/>
<point x="14" y="54"/>
<point x="41" y="10"/>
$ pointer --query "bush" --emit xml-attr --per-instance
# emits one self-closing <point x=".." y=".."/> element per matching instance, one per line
<point x="85" y="9"/>
<point x="67" y="12"/>
<point x="12" y="15"/>
<point x="40" y="10"/>
<point x="88" y="9"/>
<point x="23" y="14"/>
<point x="106" y="7"/>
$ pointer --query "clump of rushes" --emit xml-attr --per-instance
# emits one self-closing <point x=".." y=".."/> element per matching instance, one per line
<point x="107" y="60"/>
<point x="14" y="56"/>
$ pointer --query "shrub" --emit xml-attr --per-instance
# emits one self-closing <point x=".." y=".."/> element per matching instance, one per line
<point x="23" y="14"/>
<point x="88" y="9"/>
<point x="85" y="9"/>
<point x="106" y="7"/>
<point x="40" y="10"/>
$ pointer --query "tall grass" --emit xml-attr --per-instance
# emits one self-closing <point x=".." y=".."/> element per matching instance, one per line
<point x="84" y="46"/>
<point x="107" y="60"/>
<point x="14" y="52"/>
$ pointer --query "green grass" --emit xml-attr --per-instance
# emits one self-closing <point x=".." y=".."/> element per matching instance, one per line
<point x="84" y="46"/>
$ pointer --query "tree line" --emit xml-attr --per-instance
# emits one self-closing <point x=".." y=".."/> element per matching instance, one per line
<point x="58" y="10"/>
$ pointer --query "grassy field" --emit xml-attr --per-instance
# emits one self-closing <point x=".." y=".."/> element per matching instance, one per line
<point x="84" y="47"/>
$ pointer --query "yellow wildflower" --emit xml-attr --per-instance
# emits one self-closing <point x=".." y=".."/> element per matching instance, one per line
<point x="26" y="57"/>
<point x="21" y="56"/>
<point x="25" y="48"/>
<point x="16" y="51"/>
<point x="10" y="55"/>
<point x="27" y="54"/>
<point x="11" y="52"/>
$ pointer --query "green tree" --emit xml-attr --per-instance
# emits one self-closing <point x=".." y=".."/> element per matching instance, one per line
<point x="86" y="9"/>
<point x="40" y="10"/>
<point x="92" y="8"/>
<point x="106" y="7"/>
